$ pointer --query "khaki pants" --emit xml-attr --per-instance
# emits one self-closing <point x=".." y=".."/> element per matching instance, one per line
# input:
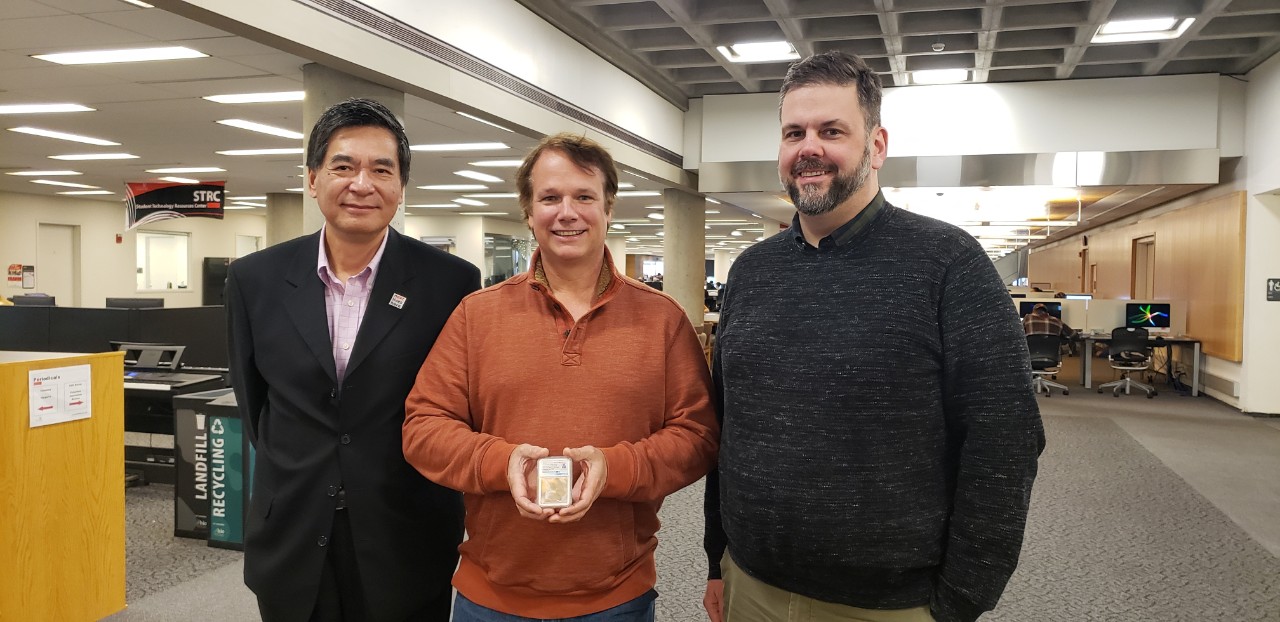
<point x="749" y="600"/>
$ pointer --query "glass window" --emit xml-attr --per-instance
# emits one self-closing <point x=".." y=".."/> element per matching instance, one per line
<point x="162" y="261"/>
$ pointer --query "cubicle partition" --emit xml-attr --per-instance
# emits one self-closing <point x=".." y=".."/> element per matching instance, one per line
<point x="203" y="330"/>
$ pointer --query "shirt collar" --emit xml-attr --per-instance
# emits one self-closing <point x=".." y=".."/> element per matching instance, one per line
<point x="602" y="282"/>
<point x="326" y="273"/>
<point x="846" y="232"/>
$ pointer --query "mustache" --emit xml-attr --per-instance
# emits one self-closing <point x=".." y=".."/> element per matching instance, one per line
<point x="809" y="164"/>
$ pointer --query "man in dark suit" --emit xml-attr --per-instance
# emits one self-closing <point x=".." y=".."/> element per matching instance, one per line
<point x="327" y="333"/>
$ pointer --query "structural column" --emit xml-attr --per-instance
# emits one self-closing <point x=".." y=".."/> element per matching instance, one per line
<point x="325" y="87"/>
<point x="684" y="257"/>
<point x="618" y="248"/>
<point x="723" y="259"/>
<point x="284" y="217"/>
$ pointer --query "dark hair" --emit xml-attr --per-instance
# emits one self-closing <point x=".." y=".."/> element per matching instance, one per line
<point x="584" y="152"/>
<point x="356" y="112"/>
<point x="837" y="69"/>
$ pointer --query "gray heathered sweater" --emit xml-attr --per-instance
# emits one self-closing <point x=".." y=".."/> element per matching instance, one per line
<point x="879" y="433"/>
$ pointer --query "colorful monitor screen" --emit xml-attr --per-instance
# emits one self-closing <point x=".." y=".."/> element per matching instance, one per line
<point x="1052" y="308"/>
<point x="1149" y="315"/>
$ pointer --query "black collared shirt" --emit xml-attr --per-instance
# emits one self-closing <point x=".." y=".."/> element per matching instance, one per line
<point x="844" y="233"/>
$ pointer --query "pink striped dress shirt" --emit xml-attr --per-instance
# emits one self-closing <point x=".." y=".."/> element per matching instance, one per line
<point x="345" y="303"/>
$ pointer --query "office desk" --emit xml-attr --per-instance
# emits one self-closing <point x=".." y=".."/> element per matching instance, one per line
<point x="1153" y="342"/>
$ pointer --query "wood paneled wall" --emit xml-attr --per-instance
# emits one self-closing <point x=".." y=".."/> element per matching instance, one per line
<point x="1199" y="258"/>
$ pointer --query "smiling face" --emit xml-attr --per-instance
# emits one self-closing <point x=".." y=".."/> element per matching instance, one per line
<point x="358" y="182"/>
<point x="568" y="214"/>
<point x="827" y="155"/>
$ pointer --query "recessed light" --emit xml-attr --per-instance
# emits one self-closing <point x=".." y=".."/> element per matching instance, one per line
<point x="120" y="56"/>
<point x="248" y="204"/>
<point x="498" y="163"/>
<point x="735" y="233"/>
<point x="140" y="3"/>
<point x="182" y="180"/>
<point x="484" y="121"/>
<point x="261" y="128"/>
<point x="713" y="211"/>
<point x="471" y="202"/>
<point x="454" y="187"/>
<point x="238" y="206"/>
<point x="294" y="189"/>
<point x="42" y="173"/>
<point x="258" y="198"/>
<point x="711" y="201"/>
<point x="478" y="176"/>
<point x="640" y="193"/>
<point x="42" y="108"/>
<point x="483" y="214"/>
<point x="759" y="52"/>
<point x="257" y="98"/>
<point x="433" y="205"/>
<point x="939" y="76"/>
<point x="618" y="227"/>
<point x="1152" y="29"/>
<point x="492" y="195"/>
<point x="186" y="169"/>
<point x="86" y="192"/>
<point x="655" y="216"/>
<point x="94" y="156"/>
<point x="254" y="152"/>
<point x="624" y="185"/>
<point x="50" y="182"/>
<point x="459" y="147"/>
<point x="35" y="131"/>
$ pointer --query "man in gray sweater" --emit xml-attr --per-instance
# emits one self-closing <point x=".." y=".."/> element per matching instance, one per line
<point x="880" y="434"/>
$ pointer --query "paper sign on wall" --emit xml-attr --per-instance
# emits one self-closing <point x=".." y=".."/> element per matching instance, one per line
<point x="59" y="395"/>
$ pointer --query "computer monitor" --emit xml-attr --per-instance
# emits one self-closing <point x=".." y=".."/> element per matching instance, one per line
<point x="135" y="303"/>
<point x="33" y="300"/>
<point x="1052" y="308"/>
<point x="1153" y="316"/>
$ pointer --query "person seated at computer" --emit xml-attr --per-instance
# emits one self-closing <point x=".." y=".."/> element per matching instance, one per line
<point x="1041" y="322"/>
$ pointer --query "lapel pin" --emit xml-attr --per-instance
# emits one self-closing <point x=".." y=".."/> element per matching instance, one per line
<point x="397" y="301"/>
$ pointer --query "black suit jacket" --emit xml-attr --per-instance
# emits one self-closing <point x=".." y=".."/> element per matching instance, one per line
<point x="313" y="435"/>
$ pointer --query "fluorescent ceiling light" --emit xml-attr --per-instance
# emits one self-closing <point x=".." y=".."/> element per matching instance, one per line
<point x="939" y="76"/>
<point x="493" y="195"/>
<point x="639" y="193"/>
<point x="257" y="98"/>
<point x="294" y="189"/>
<point x="454" y="187"/>
<point x="459" y="147"/>
<point x="50" y="182"/>
<point x="35" y="131"/>
<point x="42" y="108"/>
<point x="478" y="176"/>
<point x="713" y="211"/>
<point x="711" y="201"/>
<point x="433" y="205"/>
<point x="248" y="203"/>
<point x="265" y="129"/>
<point x="260" y="198"/>
<point x="735" y="233"/>
<point x="181" y="180"/>
<point x="622" y="185"/>
<point x="1155" y="29"/>
<point x="655" y="216"/>
<point x="139" y="3"/>
<point x="635" y="174"/>
<point x="253" y="152"/>
<point x="471" y="202"/>
<point x="760" y="52"/>
<point x="237" y="206"/>
<point x="661" y="234"/>
<point x="483" y="214"/>
<point x="186" y="169"/>
<point x="120" y="56"/>
<point x="84" y="192"/>
<point x="498" y="163"/>
<point x="489" y="123"/>
<point x="618" y="227"/>
<point x="1025" y="223"/>
<point x="94" y="156"/>
<point x="42" y="173"/>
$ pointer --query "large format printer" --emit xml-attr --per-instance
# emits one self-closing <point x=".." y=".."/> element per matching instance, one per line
<point x="152" y="378"/>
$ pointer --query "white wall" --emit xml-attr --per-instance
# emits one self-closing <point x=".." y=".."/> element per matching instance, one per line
<point x="1116" y="114"/>
<point x="108" y="268"/>
<point x="467" y="231"/>
<point x="1259" y="390"/>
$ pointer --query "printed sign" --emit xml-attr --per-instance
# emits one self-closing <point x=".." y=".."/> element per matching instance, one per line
<point x="1273" y="290"/>
<point x="58" y="395"/>
<point x="153" y="201"/>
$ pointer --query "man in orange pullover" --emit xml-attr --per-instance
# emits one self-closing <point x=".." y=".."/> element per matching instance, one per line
<point x="569" y="358"/>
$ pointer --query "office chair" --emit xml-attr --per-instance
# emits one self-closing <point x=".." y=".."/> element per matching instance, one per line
<point x="1046" y="360"/>
<point x="1128" y="353"/>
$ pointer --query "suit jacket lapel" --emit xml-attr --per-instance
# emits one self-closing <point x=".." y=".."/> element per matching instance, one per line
<point x="381" y="316"/>
<point x="305" y="304"/>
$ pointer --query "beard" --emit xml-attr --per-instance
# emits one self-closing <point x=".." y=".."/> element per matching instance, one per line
<point x="811" y="200"/>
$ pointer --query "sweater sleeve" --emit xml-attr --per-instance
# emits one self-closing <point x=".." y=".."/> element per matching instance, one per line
<point x="439" y="434"/>
<point x="994" y="431"/>
<point x="685" y="447"/>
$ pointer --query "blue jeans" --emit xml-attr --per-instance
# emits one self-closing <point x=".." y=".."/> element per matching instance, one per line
<point x="635" y="610"/>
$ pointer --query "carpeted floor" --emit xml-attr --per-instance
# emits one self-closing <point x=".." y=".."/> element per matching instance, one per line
<point x="1115" y="534"/>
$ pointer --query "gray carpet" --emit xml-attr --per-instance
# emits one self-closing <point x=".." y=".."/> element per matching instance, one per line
<point x="1113" y="536"/>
